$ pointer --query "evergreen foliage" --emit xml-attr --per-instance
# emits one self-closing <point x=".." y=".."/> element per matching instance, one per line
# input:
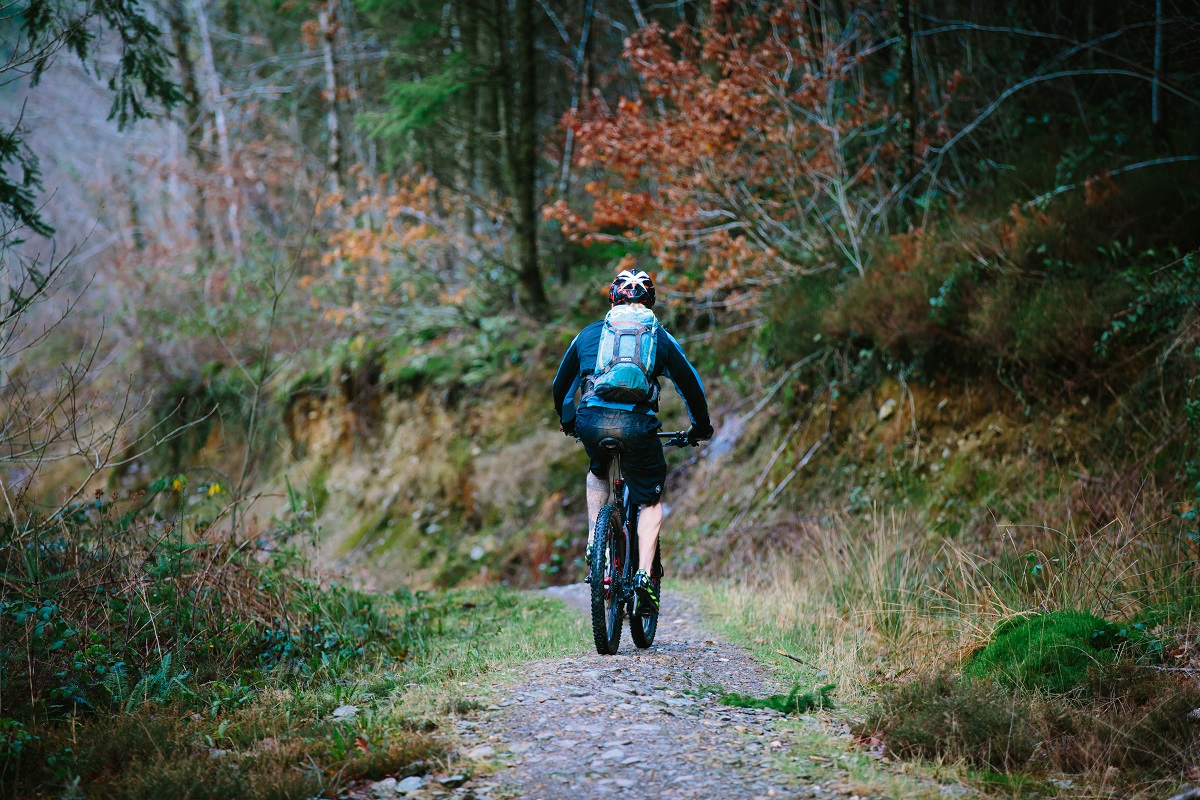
<point x="140" y="82"/>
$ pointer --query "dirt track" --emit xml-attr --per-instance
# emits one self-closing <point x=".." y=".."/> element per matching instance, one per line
<point x="635" y="724"/>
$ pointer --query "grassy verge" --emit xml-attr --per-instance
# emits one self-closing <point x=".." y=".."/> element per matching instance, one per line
<point x="149" y="654"/>
<point x="1037" y="666"/>
<point x="287" y="734"/>
<point x="824" y="752"/>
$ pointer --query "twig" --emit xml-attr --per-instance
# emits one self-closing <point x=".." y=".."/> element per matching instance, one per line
<point x="779" y="385"/>
<point x="721" y="331"/>
<point x="799" y="466"/>
<point x="1189" y="794"/>
<point x="1041" y="198"/>
<point x="786" y="654"/>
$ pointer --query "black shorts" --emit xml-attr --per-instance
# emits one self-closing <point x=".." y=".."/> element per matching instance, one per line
<point x="642" y="464"/>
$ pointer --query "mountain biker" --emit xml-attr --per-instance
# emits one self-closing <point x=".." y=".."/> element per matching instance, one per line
<point x="633" y="422"/>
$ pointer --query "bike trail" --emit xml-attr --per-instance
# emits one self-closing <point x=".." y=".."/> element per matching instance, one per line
<point x="637" y="724"/>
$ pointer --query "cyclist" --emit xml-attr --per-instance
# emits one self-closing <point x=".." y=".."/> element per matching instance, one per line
<point x="628" y="415"/>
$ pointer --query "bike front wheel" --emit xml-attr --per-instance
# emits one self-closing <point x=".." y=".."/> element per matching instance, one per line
<point x="609" y="558"/>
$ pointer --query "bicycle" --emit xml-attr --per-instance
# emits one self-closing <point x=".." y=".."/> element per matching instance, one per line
<point x="614" y="560"/>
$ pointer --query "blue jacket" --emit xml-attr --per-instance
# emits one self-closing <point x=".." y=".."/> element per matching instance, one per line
<point x="669" y="361"/>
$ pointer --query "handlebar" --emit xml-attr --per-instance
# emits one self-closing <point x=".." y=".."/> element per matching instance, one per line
<point x="676" y="439"/>
<point x="670" y="438"/>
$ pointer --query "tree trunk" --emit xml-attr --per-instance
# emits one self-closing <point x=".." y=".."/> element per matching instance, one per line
<point x="193" y="123"/>
<point x="218" y="109"/>
<point x="523" y="156"/>
<point x="327" y="20"/>
<point x="492" y="58"/>
<point x="363" y="147"/>
<point x="564" y="178"/>
<point x="469" y="46"/>
<point x="907" y="94"/>
<point x="1155" y="92"/>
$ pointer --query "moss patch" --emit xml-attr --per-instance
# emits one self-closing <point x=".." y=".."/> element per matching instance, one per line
<point x="794" y="702"/>
<point x="1052" y="652"/>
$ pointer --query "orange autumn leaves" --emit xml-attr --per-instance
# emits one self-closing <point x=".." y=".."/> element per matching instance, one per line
<point x="757" y="148"/>
<point x="401" y="242"/>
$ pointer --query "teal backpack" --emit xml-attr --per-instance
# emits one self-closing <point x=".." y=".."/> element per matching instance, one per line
<point x="625" y="360"/>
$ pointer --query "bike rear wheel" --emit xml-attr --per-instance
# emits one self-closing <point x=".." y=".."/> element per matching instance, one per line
<point x="609" y="556"/>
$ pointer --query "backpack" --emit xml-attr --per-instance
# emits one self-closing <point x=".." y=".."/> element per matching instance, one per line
<point x="625" y="360"/>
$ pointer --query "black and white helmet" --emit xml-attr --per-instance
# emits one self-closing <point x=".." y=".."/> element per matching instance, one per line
<point x="632" y="286"/>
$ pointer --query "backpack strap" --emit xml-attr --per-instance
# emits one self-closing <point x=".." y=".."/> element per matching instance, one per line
<point x="636" y="334"/>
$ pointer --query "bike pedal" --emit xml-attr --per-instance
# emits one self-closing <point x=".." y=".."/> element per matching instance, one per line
<point x="587" y="578"/>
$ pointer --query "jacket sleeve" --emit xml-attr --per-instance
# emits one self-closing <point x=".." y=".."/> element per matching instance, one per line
<point x="566" y="381"/>
<point x="687" y="382"/>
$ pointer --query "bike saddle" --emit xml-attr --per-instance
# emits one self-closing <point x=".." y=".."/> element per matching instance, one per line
<point x="612" y="445"/>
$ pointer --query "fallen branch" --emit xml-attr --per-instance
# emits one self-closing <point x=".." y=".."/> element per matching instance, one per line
<point x="786" y="654"/>
<point x="799" y="466"/>
<point x="722" y="331"/>
<point x="1188" y="670"/>
<point x="779" y="385"/>
<point x="1154" y="162"/>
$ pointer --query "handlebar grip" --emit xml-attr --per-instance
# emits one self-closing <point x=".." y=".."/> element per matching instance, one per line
<point x="675" y="439"/>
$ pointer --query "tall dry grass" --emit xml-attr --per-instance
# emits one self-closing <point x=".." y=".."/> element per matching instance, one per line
<point x="870" y="598"/>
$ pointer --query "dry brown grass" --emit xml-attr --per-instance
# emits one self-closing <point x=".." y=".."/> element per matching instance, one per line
<point x="890" y="610"/>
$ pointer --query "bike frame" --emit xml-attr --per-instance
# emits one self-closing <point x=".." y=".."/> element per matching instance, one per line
<point x="618" y="495"/>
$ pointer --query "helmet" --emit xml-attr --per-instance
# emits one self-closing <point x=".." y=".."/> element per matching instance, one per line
<point x="632" y="286"/>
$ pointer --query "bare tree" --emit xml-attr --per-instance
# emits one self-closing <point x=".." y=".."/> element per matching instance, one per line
<point x="181" y="30"/>
<point x="217" y="104"/>
<point x="328" y="22"/>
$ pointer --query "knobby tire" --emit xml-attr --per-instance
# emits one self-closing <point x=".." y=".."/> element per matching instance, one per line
<point x="607" y="609"/>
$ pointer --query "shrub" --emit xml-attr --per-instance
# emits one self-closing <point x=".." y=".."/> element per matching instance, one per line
<point x="112" y="604"/>
<point x="1054" y="297"/>
<point x="794" y="311"/>
<point x="937" y="716"/>
<point x="890" y="309"/>
<point x="1139" y="720"/>
<point x="215" y="399"/>
<point x="158" y="641"/>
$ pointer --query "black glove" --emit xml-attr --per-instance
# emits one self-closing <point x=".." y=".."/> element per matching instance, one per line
<point x="699" y="432"/>
<point x="568" y="427"/>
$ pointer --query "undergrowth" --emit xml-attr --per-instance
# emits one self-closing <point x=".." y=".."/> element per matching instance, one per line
<point x="148" y="651"/>
<point x="1043" y="654"/>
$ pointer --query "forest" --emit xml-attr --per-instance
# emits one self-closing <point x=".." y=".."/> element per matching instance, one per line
<point x="287" y="511"/>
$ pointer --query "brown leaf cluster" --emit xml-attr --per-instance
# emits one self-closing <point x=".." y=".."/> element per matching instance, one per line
<point x="756" y="148"/>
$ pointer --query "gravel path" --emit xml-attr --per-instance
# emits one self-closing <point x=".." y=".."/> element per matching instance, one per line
<point x="632" y="725"/>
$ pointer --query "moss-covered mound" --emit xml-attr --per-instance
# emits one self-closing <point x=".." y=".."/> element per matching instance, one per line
<point x="1052" y="652"/>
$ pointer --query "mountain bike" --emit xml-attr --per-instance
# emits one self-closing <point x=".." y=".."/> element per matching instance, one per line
<point x="614" y="560"/>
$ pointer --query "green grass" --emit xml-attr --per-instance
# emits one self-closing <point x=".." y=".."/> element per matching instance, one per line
<point x="786" y="615"/>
